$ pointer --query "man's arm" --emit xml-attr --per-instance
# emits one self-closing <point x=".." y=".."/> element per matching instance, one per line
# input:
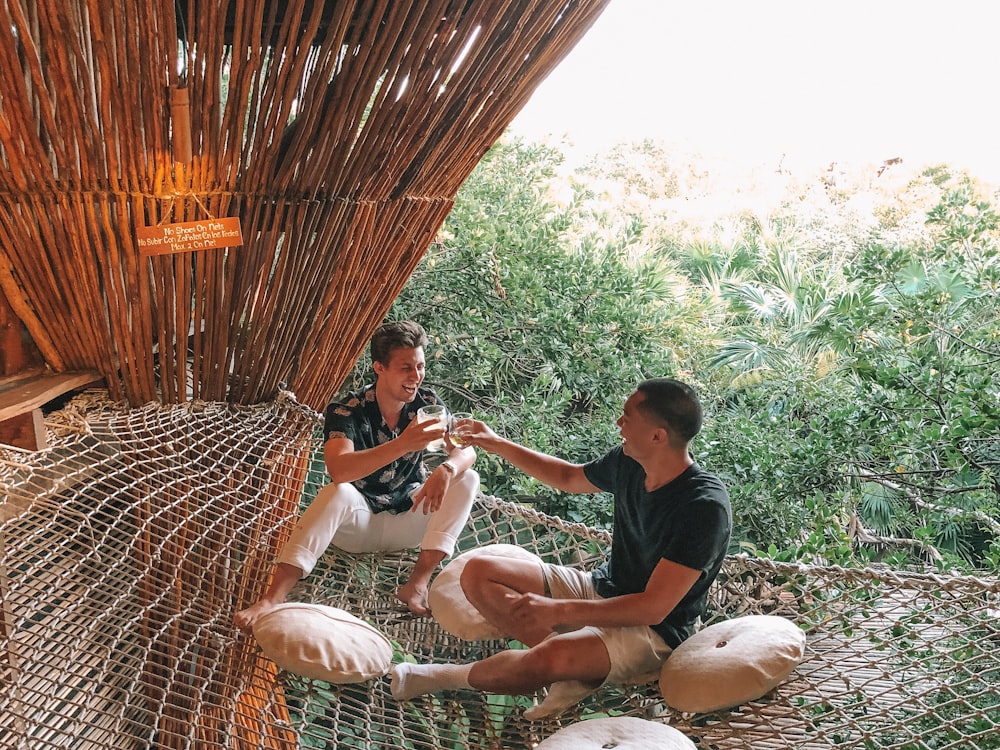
<point x="430" y="496"/>
<point x="555" y="472"/>
<point x="667" y="585"/>
<point x="344" y="464"/>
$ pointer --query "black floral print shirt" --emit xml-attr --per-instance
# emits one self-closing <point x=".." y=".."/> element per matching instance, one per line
<point x="358" y="418"/>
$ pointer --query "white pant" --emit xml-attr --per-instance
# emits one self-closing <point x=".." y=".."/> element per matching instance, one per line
<point x="341" y="515"/>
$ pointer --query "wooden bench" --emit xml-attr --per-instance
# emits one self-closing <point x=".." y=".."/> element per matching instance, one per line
<point x="22" y="397"/>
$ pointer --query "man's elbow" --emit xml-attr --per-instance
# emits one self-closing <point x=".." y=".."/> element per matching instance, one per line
<point x="651" y="620"/>
<point x="575" y="482"/>
<point x="653" y="614"/>
<point x="336" y="477"/>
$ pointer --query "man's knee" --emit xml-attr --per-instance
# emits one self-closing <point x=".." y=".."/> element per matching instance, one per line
<point x="468" y="480"/>
<point x="551" y="663"/>
<point x="484" y="571"/>
<point x="461" y="495"/>
<point x="558" y="659"/>
<point x="477" y="572"/>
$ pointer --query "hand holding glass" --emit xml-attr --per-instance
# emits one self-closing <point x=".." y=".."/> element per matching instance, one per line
<point x="456" y="430"/>
<point x="430" y="413"/>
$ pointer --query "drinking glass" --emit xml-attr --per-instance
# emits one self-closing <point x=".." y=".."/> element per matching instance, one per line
<point x="456" y="432"/>
<point x="430" y="413"/>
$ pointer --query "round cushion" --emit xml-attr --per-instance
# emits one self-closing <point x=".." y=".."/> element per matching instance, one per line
<point x="731" y="662"/>
<point x="453" y="612"/>
<point x="322" y="643"/>
<point x="619" y="732"/>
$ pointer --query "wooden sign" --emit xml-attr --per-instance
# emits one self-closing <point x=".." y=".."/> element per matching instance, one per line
<point x="189" y="236"/>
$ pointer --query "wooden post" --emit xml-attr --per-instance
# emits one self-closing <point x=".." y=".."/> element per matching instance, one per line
<point x="17" y="351"/>
<point x="22" y="397"/>
<point x="24" y="431"/>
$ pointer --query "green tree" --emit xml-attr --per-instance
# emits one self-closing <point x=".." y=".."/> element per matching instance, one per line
<point x="543" y="319"/>
<point x="927" y="372"/>
<point x="870" y="384"/>
<point x="845" y="342"/>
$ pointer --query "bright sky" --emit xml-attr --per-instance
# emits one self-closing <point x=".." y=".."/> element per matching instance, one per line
<point x="853" y="81"/>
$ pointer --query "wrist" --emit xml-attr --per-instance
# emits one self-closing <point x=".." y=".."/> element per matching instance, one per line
<point x="449" y="467"/>
<point x="563" y="610"/>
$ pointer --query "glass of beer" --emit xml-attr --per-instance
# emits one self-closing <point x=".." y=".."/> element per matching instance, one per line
<point x="456" y="431"/>
<point x="430" y="413"/>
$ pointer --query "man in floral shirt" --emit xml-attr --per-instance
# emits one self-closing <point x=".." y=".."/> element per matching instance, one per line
<point x="382" y="496"/>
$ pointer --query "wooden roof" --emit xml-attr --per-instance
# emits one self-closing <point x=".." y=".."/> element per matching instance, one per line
<point x="336" y="132"/>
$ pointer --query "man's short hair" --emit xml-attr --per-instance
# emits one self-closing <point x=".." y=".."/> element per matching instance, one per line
<point x="672" y="403"/>
<point x="397" y="334"/>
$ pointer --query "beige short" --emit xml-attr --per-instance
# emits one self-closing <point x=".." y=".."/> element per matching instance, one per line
<point x="637" y="653"/>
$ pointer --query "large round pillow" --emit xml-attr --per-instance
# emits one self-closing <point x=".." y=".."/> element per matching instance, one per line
<point x="619" y="732"/>
<point x="731" y="662"/>
<point x="453" y="612"/>
<point x="322" y="643"/>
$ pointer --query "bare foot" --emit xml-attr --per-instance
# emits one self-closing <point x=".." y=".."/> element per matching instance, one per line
<point x="244" y="619"/>
<point x="414" y="597"/>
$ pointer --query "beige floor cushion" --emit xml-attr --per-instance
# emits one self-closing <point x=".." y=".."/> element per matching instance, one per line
<point x="323" y="643"/>
<point x="731" y="662"/>
<point x="618" y="732"/>
<point x="453" y="612"/>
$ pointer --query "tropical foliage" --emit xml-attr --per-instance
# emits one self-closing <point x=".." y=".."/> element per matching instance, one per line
<point x="844" y="339"/>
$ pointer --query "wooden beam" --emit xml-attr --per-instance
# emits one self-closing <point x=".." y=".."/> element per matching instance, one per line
<point x="23" y="395"/>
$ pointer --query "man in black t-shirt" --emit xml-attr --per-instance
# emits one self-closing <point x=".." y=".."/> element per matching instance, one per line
<point x="672" y="524"/>
<point x="382" y="496"/>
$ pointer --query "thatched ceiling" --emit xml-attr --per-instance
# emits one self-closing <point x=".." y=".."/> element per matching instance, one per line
<point x="338" y="133"/>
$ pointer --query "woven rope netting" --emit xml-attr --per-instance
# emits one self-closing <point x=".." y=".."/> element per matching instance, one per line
<point x="338" y="132"/>
<point x="130" y="543"/>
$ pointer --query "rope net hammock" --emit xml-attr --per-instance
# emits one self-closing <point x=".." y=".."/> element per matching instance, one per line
<point x="129" y="544"/>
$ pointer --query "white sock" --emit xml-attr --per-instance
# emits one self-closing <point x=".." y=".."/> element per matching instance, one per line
<point x="410" y="680"/>
<point x="561" y="695"/>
